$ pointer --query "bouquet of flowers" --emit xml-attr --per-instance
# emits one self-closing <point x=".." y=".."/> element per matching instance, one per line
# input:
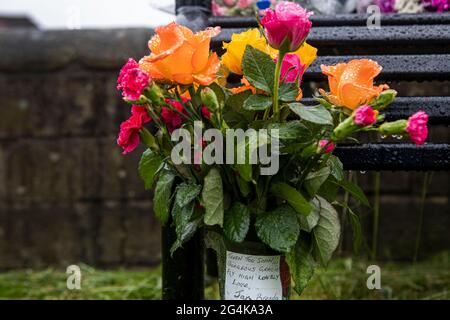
<point x="252" y="162"/>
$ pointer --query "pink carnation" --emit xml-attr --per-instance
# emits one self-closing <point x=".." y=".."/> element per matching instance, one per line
<point x="289" y="21"/>
<point x="365" y="116"/>
<point x="206" y="113"/>
<point x="292" y="69"/>
<point x="132" y="80"/>
<point x="128" y="137"/>
<point x="171" y="118"/>
<point x="329" y="145"/>
<point x="417" y="127"/>
<point x="141" y="112"/>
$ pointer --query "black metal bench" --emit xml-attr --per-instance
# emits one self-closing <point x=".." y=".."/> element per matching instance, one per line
<point x="409" y="47"/>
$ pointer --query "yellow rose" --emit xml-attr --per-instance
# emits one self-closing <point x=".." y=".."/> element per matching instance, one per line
<point x="232" y="58"/>
<point x="307" y="54"/>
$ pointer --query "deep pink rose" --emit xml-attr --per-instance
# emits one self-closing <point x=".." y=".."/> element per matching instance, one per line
<point x="292" y="69"/>
<point x="417" y="127"/>
<point x="290" y="22"/>
<point x="365" y="116"/>
<point x="132" y="80"/>
<point x="329" y="145"/>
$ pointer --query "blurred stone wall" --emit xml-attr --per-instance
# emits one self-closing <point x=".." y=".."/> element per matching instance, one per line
<point x="67" y="195"/>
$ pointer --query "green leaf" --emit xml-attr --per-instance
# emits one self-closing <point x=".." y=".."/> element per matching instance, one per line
<point x="257" y="102"/>
<point x="356" y="227"/>
<point x="244" y="186"/>
<point x="236" y="101"/>
<point x="148" y="166"/>
<point x="355" y="191"/>
<point x="292" y="130"/>
<point x="315" y="114"/>
<point x="234" y="113"/>
<point x="336" y="167"/>
<point x="295" y="148"/>
<point x="245" y="171"/>
<point x="292" y="196"/>
<point x="315" y="179"/>
<point x="247" y="147"/>
<point x="236" y="222"/>
<point x="326" y="233"/>
<point x="307" y="223"/>
<point x="329" y="190"/>
<point x="184" y="228"/>
<point x="186" y="193"/>
<point x="259" y="68"/>
<point x="163" y="192"/>
<point x="288" y="92"/>
<point x="278" y="229"/>
<point x="212" y="198"/>
<point x="301" y="265"/>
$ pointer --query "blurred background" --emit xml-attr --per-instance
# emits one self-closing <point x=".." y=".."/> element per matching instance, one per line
<point x="68" y="195"/>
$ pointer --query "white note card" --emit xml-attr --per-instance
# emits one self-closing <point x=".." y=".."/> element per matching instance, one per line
<point x="250" y="277"/>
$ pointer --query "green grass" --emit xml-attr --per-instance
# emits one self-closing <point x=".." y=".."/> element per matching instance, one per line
<point x="343" y="279"/>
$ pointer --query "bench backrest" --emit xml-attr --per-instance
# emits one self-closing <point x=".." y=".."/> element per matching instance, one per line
<point x="410" y="48"/>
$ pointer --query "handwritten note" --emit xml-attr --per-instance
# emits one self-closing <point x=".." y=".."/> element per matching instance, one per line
<point x="250" y="277"/>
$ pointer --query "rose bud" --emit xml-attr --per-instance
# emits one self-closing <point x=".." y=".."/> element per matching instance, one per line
<point x="209" y="99"/>
<point x="287" y="26"/>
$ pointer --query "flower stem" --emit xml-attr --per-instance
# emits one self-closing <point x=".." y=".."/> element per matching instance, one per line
<point x="376" y="214"/>
<point x="276" y="84"/>
<point x="426" y="182"/>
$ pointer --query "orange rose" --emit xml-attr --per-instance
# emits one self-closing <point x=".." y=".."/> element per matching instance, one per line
<point x="351" y="84"/>
<point x="244" y="87"/>
<point x="181" y="56"/>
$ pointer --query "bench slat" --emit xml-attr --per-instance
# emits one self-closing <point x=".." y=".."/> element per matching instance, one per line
<point x="395" y="67"/>
<point x="398" y="39"/>
<point x="407" y="157"/>
<point x="438" y="108"/>
<point x="343" y="20"/>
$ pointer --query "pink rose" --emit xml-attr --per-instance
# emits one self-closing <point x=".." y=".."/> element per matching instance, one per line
<point x="132" y="80"/>
<point x="365" y="116"/>
<point x="326" y="143"/>
<point x="291" y="69"/>
<point x="287" y="26"/>
<point x="417" y="127"/>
